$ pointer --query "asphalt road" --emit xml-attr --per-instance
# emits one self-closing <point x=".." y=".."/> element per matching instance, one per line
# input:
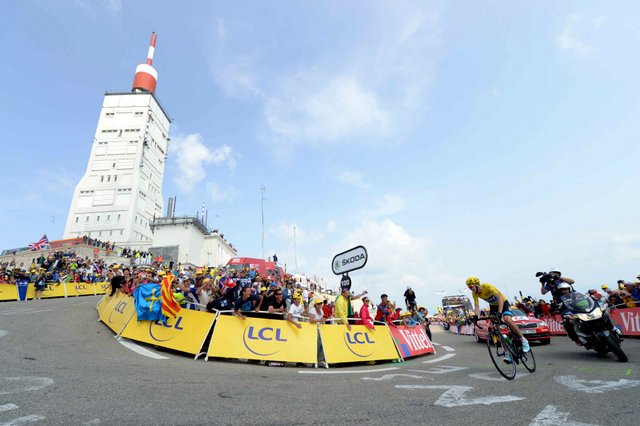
<point x="60" y="366"/>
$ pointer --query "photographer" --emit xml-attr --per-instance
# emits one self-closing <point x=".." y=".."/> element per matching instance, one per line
<point x="550" y="281"/>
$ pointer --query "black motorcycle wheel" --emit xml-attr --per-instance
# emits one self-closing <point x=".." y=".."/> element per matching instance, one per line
<point x="614" y="346"/>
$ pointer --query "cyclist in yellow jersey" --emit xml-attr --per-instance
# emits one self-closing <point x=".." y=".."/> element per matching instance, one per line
<point x="498" y="304"/>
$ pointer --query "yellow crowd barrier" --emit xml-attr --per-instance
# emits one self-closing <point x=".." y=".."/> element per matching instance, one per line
<point x="358" y="344"/>
<point x="101" y="288"/>
<point x="116" y="312"/>
<point x="263" y="339"/>
<point x="8" y="292"/>
<point x="80" y="289"/>
<point x="185" y="333"/>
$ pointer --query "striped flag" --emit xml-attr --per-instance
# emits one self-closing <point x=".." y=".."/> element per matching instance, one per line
<point x="170" y="307"/>
<point x="41" y="244"/>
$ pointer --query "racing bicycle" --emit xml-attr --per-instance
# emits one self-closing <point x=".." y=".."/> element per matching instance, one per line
<point x="500" y="344"/>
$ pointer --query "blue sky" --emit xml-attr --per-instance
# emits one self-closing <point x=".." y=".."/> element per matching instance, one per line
<point x="449" y="138"/>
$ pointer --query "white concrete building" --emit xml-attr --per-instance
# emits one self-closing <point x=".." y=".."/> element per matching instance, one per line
<point x="187" y="240"/>
<point x="121" y="191"/>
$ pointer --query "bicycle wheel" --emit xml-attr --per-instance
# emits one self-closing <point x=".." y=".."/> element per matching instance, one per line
<point x="498" y="349"/>
<point x="528" y="360"/>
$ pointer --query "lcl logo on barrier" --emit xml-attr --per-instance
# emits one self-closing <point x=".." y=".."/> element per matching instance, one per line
<point x="263" y="340"/>
<point x="81" y="287"/>
<point x="164" y="328"/>
<point x="119" y="308"/>
<point x="359" y="343"/>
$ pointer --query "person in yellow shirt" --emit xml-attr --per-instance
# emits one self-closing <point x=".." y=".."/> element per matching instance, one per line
<point x="498" y="304"/>
<point x="344" y="310"/>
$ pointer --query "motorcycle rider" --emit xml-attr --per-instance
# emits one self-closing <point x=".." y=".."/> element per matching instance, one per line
<point x="561" y="290"/>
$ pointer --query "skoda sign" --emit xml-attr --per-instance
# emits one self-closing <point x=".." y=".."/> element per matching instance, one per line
<point x="349" y="260"/>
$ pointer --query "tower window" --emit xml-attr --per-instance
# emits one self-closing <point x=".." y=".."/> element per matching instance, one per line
<point x="77" y="218"/>
<point x="98" y="218"/>
<point x="108" y="217"/>
<point x="101" y="178"/>
<point x="115" y="178"/>
<point x="109" y="178"/>
<point x="86" y="219"/>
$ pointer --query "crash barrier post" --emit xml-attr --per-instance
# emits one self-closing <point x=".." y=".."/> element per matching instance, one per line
<point x="360" y="344"/>
<point x="263" y="339"/>
<point x="411" y="341"/>
<point x="186" y="332"/>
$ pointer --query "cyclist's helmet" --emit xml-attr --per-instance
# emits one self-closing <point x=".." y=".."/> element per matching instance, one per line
<point x="471" y="281"/>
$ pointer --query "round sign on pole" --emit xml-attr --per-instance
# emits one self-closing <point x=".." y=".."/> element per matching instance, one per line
<point x="345" y="282"/>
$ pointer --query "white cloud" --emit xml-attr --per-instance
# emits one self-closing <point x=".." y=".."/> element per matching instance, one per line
<point x="352" y="178"/>
<point x="192" y="155"/>
<point x="339" y="108"/>
<point x="396" y="259"/>
<point x="217" y="193"/>
<point x="388" y="205"/>
<point x="574" y="33"/>
<point x="331" y="227"/>
<point x="112" y="7"/>
<point x="361" y="93"/>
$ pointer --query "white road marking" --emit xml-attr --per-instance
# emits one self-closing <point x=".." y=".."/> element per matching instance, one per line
<point x="436" y="344"/>
<point x="3" y="333"/>
<point x="442" y="358"/>
<point x="441" y="370"/>
<point x="348" y="371"/>
<point x="552" y="416"/>
<point x="601" y="386"/>
<point x="22" y="420"/>
<point x="454" y="396"/>
<point x="139" y="349"/>
<point x="9" y="385"/>
<point x="448" y="349"/>
<point x="495" y="376"/>
<point x="7" y="407"/>
<point x="28" y="311"/>
<point x="393" y="376"/>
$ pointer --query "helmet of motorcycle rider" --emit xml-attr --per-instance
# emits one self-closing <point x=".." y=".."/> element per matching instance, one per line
<point x="556" y="270"/>
<point x="564" y="286"/>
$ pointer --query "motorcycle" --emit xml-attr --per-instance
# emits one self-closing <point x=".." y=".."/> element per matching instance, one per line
<point x="592" y="324"/>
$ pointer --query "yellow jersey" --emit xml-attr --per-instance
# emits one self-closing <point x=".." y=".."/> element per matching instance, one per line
<point x="489" y="294"/>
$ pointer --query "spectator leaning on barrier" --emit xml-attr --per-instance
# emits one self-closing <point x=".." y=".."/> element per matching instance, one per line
<point x="383" y="311"/>
<point x="276" y="303"/>
<point x="410" y="297"/>
<point x="296" y="310"/>
<point x="316" y="316"/>
<point x="247" y="302"/>
<point x="365" y="316"/>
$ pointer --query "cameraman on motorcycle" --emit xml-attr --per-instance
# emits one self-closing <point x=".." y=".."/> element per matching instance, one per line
<point x="554" y="282"/>
<point x="550" y="282"/>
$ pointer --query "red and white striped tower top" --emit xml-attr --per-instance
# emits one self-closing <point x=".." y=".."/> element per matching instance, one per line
<point x="146" y="76"/>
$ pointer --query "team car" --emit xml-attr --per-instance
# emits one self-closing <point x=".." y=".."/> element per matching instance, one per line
<point x="534" y="329"/>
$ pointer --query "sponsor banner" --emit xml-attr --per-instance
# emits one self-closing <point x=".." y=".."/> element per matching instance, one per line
<point x="185" y="333"/>
<point x="263" y="339"/>
<point x="52" y="290"/>
<point x="411" y="341"/>
<point x="103" y="304"/>
<point x="8" y="292"/>
<point x="117" y="312"/>
<point x="627" y="320"/>
<point x="101" y="288"/>
<point x="356" y="345"/>
<point x="555" y="325"/>
<point x="80" y="289"/>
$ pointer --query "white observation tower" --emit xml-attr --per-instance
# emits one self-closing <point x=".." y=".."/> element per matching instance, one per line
<point x="120" y="193"/>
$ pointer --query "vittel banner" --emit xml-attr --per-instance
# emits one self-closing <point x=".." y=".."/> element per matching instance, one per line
<point x="627" y="320"/>
<point x="411" y="341"/>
